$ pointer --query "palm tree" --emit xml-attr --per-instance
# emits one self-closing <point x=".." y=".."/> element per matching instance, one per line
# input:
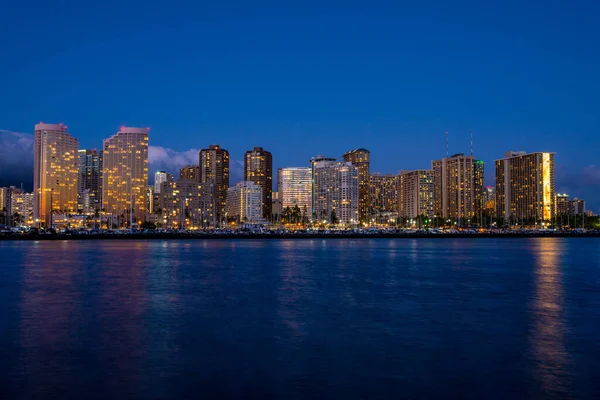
<point x="296" y="214"/>
<point x="17" y="219"/>
<point x="333" y="219"/>
<point x="3" y="215"/>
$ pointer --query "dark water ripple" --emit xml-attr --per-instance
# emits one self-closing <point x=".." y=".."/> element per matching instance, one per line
<point x="368" y="319"/>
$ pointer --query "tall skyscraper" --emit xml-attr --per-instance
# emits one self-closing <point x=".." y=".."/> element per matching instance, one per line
<point x="89" y="186"/>
<point x="295" y="188"/>
<point x="191" y="172"/>
<point x="125" y="175"/>
<point x="335" y="191"/>
<point x="416" y="193"/>
<point x="525" y="187"/>
<point x="214" y="167"/>
<point x="244" y="203"/>
<point x="478" y="188"/>
<point x="258" y="168"/>
<point x="159" y="177"/>
<point x="385" y="196"/>
<point x="55" y="172"/>
<point x="360" y="158"/>
<point x="453" y="187"/>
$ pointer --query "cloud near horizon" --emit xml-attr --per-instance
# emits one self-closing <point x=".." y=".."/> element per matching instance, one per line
<point x="169" y="160"/>
<point x="16" y="160"/>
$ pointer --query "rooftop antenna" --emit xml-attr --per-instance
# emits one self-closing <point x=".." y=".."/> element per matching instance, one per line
<point x="446" y="144"/>
<point x="471" y="143"/>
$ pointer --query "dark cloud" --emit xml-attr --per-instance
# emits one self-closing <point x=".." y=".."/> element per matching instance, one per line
<point x="583" y="184"/>
<point x="165" y="159"/>
<point x="16" y="159"/>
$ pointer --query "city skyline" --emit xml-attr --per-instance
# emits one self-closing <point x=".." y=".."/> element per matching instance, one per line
<point x="306" y="80"/>
<point x="163" y="158"/>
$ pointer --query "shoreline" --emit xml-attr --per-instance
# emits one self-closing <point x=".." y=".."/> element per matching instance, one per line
<point x="229" y="236"/>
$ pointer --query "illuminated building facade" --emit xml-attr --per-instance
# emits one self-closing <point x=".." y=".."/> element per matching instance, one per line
<point x="416" y="193"/>
<point x="490" y="201"/>
<point x="295" y="188"/>
<point x="55" y="172"/>
<point x="159" y="177"/>
<point x="125" y="175"/>
<point x="244" y="203"/>
<point x="214" y="168"/>
<point x="385" y="194"/>
<point x="277" y="207"/>
<point x="360" y="158"/>
<point x="89" y="185"/>
<point x="5" y="199"/>
<point x="478" y="188"/>
<point x="525" y="187"/>
<point x="258" y="168"/>
<point x="576" y="207"/>
<point x="561" y="204"/>
<point x="185" y="204"/>
<point x="191" y="172"/>
<point x="22" y="204"/>
<point x="454" y="194"/>
<point x="335" y="188"/>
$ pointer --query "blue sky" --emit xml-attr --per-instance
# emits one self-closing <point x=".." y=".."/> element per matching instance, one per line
<point x="312" y="78"/>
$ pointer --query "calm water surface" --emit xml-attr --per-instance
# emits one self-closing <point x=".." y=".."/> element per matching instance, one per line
<point x="337" y="319"/>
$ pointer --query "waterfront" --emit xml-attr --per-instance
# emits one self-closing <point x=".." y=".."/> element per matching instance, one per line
<point x="314" y="318"/>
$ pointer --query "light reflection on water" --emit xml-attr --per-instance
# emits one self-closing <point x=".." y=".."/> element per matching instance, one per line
<point x="301" y="318"/>
<point x="548" y="334"/>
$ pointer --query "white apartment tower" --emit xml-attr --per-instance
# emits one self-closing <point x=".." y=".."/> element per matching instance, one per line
<point x="295" y="188"/>
<point x="244" y="203"/>
<point x="335" y="189"/>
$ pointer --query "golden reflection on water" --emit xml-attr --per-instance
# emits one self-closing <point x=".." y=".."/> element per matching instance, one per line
<point x="547" y="312"/>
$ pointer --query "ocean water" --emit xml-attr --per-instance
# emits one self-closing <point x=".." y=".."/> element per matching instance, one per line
<point x="286" y="319"/>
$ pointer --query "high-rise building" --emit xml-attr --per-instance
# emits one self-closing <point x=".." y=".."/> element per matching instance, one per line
<point x="214" y="167"/>
<point x="453" y="187"/>
<point x="360" y="158"/>
<point x="22" y="207"/>
<point x="525" y="187"/>
<point x="561" y="204"/>
<point x="416" y="193"/>
<point x="54" y="172"/>
<point x="384" y="196"/>
<point x="258" y="168"/>
<point x="478" y="188"/>
<point x="89" y="185"/>
<point x="185" y="204"/>
<point x="576" y="206"/>
<point x="335" y="191"/>
<point x="490" y="201"/>
<point x="125" y="175"/>
<point x="5" y="199"/>
<point x="295" y="188"/>
<point x="159" y="177"/>
<point x="244" y="203"/>
<point x="191" y="172"/>
<point x="277" y="207"/>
